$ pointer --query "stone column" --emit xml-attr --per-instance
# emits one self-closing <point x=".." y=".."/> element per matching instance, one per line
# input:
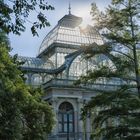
<point x="54" y="105"/>
<point x="88" y="127"/>
<point x="79" y="121"/>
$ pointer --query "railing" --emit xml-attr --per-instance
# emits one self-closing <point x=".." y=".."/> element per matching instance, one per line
<point x="70" y="83"/>
<point x="70" y="136"/>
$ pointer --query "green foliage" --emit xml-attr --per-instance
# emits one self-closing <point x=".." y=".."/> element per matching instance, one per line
<point x="23" y="113"/>
<point x="14" y="14"/>
<point x="115" y="112"/>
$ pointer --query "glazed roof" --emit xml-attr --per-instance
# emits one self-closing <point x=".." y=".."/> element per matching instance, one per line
<point x="32" y="62"/>
<point x="68" y="32"/>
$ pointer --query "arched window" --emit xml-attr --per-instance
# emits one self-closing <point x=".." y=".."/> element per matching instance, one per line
<point x="36" y="79"/>
<point x="66" y="118"/>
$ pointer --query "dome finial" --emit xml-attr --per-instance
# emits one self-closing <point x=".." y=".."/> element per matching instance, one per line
<point x="69" y="8"/>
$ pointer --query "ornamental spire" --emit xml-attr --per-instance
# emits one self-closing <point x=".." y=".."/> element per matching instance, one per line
<point x="69" y="8"/>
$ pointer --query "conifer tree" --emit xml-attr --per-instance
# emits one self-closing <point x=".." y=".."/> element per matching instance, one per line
<point x="115" y="111"/>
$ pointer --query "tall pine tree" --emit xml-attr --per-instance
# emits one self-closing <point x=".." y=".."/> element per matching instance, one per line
<point x="115" y="111"/>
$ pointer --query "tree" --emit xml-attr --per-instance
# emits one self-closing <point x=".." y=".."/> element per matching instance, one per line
<point x="13" y="15"/>
<point x="115" y="111"/>
<point x="23" y="113"/>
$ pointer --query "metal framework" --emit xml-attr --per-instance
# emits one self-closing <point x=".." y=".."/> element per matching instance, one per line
<point x="60" y="53"/>
<point x="31" y="63"/>
<point x="71" y="36"/>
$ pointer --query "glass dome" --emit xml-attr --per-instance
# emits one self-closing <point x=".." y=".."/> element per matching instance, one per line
<point x="69" y="32"/>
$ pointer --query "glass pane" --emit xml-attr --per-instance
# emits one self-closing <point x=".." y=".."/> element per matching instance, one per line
<point x="65" y="117"/>
<point x="60" y="117"/>
<point x="65" y="127"/>
<point x="70" y="127"/>
<point x="60" y="127"/>
<point x="70" y="117"/>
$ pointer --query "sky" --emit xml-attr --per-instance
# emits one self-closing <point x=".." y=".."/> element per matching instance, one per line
<point x="27" y="45"/>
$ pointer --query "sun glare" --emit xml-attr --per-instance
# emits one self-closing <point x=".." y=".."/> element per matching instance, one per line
<point x="84" y="12"/>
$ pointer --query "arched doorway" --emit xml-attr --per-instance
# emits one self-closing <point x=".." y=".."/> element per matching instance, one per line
<point x="66" y="118"/>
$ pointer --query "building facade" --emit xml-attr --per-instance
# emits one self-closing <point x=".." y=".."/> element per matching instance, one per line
<point x="59" y="63"/>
